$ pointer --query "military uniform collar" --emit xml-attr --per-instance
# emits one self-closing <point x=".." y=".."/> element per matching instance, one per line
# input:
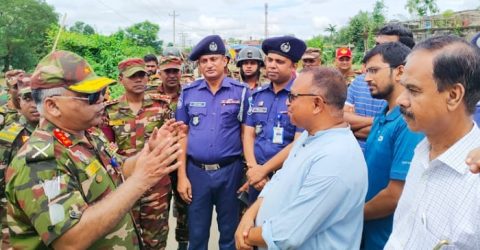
<point x="123" y="103"/>
<point x="161" y="90"/>
<point x="225" y="83"/>
<point x="66" y="139"/>
<point x="286" y="88"/>
<point x="27" y="125"/>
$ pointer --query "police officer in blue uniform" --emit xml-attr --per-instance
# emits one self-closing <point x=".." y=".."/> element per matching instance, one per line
<point x="213" y="108"/>
<point x="268" y="133"/>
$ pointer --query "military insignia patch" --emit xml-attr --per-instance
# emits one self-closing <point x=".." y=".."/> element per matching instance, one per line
<point x="213" y="46"/>
<point x="285" y="47"/>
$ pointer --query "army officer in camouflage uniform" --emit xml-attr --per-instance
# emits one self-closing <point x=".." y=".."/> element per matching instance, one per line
<point x="132" y="120"/>
<point x="63" y="187"/>
<point x="12" y="139"/>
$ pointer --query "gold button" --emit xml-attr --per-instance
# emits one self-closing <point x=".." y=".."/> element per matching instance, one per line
<point x="99" y="178"/>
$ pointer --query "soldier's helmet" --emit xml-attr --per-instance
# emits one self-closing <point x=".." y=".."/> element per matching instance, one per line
<point x="250" y="53"/>
<point x="171" y="51"/>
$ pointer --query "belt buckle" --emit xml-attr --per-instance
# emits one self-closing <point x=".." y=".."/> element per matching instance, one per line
<point x="211" y="167"/>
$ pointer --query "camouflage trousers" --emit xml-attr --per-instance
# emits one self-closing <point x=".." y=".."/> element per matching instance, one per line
<point x="4" y="239"/>
<point x="151" y="215"/>
<point x="180" y="211"/>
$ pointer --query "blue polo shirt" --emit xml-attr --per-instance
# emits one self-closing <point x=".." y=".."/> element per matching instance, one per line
<point x="268" y="110"/>
<point x="214" y="120"/>
<point x="389" y="150"/>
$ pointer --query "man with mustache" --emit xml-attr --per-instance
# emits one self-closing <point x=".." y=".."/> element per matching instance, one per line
<point x="12" y="139"/>
<point x="439" y="207"/>
<point x="66" y="187"/>
<point x="389" y="146"/>
<point x="133" y="118"/>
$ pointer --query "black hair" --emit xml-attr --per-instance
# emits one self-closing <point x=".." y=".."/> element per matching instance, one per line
<point x="458" y="62"/>
<point x="332" y="84"/>
<point x="150" y="58"/>
<point x="393" y="53"/>
<point x="405" y="36"/>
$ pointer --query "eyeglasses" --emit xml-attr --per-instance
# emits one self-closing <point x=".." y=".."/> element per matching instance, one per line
<point x="374" y="70"/>
<point x="90" y="98"/>
<point x="291" y="96"/>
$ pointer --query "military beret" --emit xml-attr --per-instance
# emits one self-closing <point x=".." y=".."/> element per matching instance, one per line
<point x="288" y="46"/>
<point x="69" y="70"/>
<point x="170" y="62"/>
<point x="210" y="45"/>
<point x="130" y="66"/>
<point x="476" y="40"/>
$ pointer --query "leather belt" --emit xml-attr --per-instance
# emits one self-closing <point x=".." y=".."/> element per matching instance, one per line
<point x="215" y="166"/>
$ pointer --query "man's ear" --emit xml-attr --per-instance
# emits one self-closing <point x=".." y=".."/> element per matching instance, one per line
<point x="50" y="107"/>
<point x="455" y="96"/>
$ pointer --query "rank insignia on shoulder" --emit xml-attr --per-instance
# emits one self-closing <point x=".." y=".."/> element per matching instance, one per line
<point x="62" y="137"/>
<point x="160" y="97"/>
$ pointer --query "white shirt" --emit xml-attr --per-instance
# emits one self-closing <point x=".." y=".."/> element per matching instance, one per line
<point x="440" y="203"/>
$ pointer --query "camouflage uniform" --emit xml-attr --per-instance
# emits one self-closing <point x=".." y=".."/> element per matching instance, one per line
<point x="12" y="139"/>
<point x="131" y="132"/>
<point x="62" y="176"/>
<point x="56" y="176"/>
<point x="154" y="82"/>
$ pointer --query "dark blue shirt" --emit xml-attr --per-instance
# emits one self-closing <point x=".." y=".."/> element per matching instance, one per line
<point x="388" y="153"/>
<point x="268" y="110"/>
<point x="214" y="120"/>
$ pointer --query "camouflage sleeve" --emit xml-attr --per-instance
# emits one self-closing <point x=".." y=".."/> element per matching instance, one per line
<point x="4" y="156"/>
<point x="43" y="197"/>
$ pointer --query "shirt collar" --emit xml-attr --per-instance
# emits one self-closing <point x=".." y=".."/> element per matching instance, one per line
<point x="123" y="103"/>
<point x="225" y="83"/>
<point x="50" y="128"/>
<point x="386" y="116"/>
<point x="455" y="156"/>
<point x="287" y="87"/>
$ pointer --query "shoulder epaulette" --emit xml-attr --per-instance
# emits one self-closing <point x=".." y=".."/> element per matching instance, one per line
<point x="10" y="133"/>
<point x="259" y="89"/>
<point x="110" y="103"/>
<point x="160" y="97"/>
<point x="40" y="147"/>
<point x="192" y="84"/>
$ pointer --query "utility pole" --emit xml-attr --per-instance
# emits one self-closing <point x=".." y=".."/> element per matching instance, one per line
<point x="174" y="16"/>
<point x="266" y="20"/>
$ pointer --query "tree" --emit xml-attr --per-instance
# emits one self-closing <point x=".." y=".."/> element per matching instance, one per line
<point x="82" y="28"/>
<point x="422" y="8"/>
<point x="144" y="34"/>
<point x="23" y="31"/>
<point x="332" y="29"/>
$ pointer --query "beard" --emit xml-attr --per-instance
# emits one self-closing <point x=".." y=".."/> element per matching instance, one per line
<point x="385" y="93"/>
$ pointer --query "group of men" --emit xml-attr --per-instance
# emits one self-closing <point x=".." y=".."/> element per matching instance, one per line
<point x="331" y="160"/>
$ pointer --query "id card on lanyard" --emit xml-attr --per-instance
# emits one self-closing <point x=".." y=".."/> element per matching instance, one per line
<point x="278" y="131"/>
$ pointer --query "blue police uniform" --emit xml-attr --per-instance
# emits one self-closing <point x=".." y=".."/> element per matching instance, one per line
<point x="268" y="111"/>
<point x="214" y="162"/>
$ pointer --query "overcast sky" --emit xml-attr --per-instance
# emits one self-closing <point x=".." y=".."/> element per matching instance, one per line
<point x="230" y="18"/>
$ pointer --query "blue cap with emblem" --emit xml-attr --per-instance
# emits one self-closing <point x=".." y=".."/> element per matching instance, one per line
<point x="210" y="45"/>
<point x="288" y="46"/>
<point x="476" y="40"/>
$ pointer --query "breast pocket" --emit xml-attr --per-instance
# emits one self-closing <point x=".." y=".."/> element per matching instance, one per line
<point x="229" y="114"/>
<point x="95" y="181"/>
<point x="198" y="117"/>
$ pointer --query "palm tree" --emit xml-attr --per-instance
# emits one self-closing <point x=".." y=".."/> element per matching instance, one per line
<point x="332" y="29"/>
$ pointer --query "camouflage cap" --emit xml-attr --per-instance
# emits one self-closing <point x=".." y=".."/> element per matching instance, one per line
<point x="170" y="62"/>
<point x="69" y="70"/>
<point x="130" y="66"/>
<point x="12" y="76"/>
<point x="311" y="53"/>
<point x="24" y="84"/>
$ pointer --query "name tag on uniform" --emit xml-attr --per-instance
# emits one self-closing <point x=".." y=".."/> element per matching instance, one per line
<point x="230" y="101"/>
<point x="198" y="104"/>
<point x="259" y="109"/>
<point x="277" y="135"/>
<point x="116" y="122"/>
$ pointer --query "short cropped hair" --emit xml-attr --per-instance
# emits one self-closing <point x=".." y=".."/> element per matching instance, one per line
<point x="393" y="53"/>
<point x="405" y="36"/>
<point x="332" y="84"/>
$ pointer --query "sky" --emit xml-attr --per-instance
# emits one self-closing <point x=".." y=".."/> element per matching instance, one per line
<point x="240" y="19"/>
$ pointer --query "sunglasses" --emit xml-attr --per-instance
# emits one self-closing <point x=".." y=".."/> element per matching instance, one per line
<point x="90" y="98"/>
